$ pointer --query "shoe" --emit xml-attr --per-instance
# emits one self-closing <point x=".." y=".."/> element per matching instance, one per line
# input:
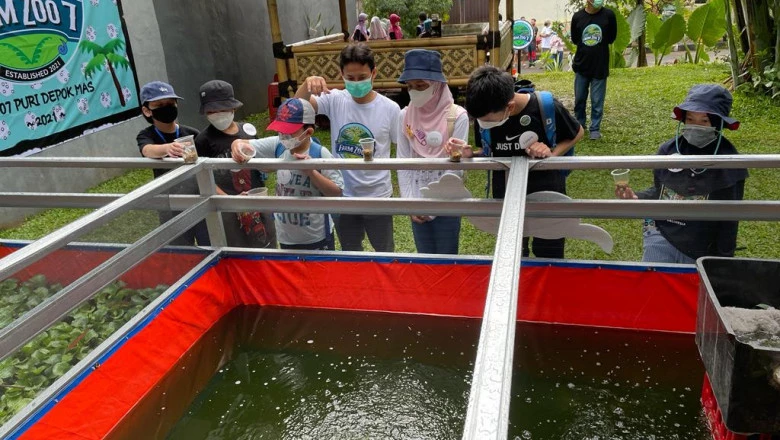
<point x="595" y="135"/>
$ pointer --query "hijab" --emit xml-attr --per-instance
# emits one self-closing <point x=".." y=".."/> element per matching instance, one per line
<point x="419" y="121"/>
<point x="395" y="26"/>
<point x="377" y="32"/>
<point x="361" y="26"/>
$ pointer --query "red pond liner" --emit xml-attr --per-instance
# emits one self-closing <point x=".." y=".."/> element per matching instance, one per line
<point x="103" y="404"/>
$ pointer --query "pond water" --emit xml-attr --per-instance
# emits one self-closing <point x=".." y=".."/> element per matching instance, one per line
<point x="315" y="374"/>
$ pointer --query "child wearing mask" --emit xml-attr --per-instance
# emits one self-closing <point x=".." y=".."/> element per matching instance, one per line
<point x="355" y="113"/>
<point x="424" y="128"/>
<point x="218" y="104"/>
<point x="159" y="105"/>
<point x="361" y="33"/>
<point x="701" y="120"/>
<point x="295" y="124"/>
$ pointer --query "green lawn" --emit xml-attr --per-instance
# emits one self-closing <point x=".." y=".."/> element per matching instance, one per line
<point x="637" y="120"/>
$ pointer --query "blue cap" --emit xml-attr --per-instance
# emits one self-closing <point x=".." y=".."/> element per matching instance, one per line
<point x="157" y="90"/>
<point x="422" y="64"/>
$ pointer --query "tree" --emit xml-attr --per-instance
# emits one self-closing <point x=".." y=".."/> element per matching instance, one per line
<point x="106" y="56"/>
<point x="408" y="10"/>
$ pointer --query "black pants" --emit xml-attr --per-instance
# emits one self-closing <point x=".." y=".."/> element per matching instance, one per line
<point x="552" y="180"/>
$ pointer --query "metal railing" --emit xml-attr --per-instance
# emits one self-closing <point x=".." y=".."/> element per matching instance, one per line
<point x="487" y="415"/>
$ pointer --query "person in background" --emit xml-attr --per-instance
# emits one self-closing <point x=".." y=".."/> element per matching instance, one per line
<point x="355" y="113"/>
<point x="422" y="17"/>
<point x="395" y="28"/>
<point x="701" y="120"/>
<point x="593" y="29"/>
<point x="376" y="31"/>
<point x="295" y="124"/>
<point x="159" y="105"/>
<point x="504" y="116"/>
<point x="361" y="33"/>
<point x="424" y="129"/>
<point x="219" y="105"/>
<point x="546" y="36"/>
<point x="557" y="48"/>
<point x="427" y="28"/>
<point x="534" y="46"/>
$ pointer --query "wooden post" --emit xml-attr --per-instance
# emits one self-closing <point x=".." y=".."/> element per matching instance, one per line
<point x="278" y="48"/>
<point x="510" y="11"/>
<point x="494" y="34"/>
<point x="344" y="22"/>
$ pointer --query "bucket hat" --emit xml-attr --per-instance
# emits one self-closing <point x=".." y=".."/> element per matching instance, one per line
<point x="422" y="64"/>
<point x="216" y="96"/>
<point x="708" y="98"/>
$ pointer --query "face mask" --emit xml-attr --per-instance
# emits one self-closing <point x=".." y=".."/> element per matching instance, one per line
<point x="421" y="97"/>
<point x="598" y="4"/>
<point x="699" y="136"/>
<point x="490" y="124"/>
<point x="358" y="89"/>
<point x="221" y="121"/>
<point x="289" y="142"/>
<point x="166" y="114"/>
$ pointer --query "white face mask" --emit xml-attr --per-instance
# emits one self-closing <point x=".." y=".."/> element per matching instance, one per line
<point x="221" y="121"/>
<point x="421" y="97"/>
<point x="289" y="142"/>
<point x="491" y="124"/>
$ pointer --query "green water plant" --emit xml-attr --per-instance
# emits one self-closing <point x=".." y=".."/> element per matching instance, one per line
<point x="52" y="353"/>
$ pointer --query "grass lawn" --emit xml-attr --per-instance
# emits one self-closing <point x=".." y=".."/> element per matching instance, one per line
<point x="637" y="120"/>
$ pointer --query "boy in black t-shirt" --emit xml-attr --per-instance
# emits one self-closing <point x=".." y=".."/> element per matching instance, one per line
<point x="159" y="105"/>
<point x="503" y="116"/>
<point x="219" y="105"/>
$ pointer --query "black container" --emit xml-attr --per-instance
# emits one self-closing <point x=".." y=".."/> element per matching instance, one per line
<point x="741" y="375"/>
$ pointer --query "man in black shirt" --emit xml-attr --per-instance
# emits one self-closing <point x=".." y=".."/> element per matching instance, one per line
<point x="593" y="29"/>
<point x="503" y="116"/>
<point x="159" y="105"/>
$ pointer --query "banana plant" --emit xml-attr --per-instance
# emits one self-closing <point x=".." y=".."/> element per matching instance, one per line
<point x="662" y="35"/>
<point x="628" y="29"/>
<point x="706" y="26"/>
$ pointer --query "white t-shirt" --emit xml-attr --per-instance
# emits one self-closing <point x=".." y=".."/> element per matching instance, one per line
<point x="349" y="122"/>
<point x="410" y="181"/>
<point x="546" y="35"/>
<point x="297" y="228"/>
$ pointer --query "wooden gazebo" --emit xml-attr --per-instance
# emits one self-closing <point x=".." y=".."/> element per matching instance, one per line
<point x="463" y="48"/>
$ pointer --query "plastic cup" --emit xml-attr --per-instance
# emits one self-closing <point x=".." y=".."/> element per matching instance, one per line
<point x="258" y="192"/>
<point x="247" y="151"/>
<point x="367" y="144"/>
<point x="621" y="176"/>
<point x="190" y="153"/>
<point x="456" y="148"/>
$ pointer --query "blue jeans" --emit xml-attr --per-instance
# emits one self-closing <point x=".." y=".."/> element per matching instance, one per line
<point x="438" y="236"/>
<point x="598" y="89"/>
<point x="657" y="249"/>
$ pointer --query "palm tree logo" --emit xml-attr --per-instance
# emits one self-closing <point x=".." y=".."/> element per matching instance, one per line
<point x="108" y="56"/>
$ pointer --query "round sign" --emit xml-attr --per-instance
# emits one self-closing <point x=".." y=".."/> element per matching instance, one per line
<point x="522" y="34"/>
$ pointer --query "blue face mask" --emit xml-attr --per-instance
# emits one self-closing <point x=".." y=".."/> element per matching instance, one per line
<point x="598" y="4"/>
<point x="358" y="89"/>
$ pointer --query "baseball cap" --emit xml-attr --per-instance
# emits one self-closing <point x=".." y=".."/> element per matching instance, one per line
<point x="157" y="90"/>
<point x="216" y="96"/>
<point x="293" y="114"/>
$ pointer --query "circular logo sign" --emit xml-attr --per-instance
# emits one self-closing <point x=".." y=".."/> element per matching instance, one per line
<point x="38" y="38"/>
<point x="592" y="35"/>
<point x="522" y="34"/>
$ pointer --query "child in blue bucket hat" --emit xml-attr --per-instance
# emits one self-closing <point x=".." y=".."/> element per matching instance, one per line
<point x="702" y="117"/>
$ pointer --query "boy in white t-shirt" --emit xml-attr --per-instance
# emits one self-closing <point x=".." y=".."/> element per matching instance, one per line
<point x="355" y="113"/>
<point x="295" y="124"/>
